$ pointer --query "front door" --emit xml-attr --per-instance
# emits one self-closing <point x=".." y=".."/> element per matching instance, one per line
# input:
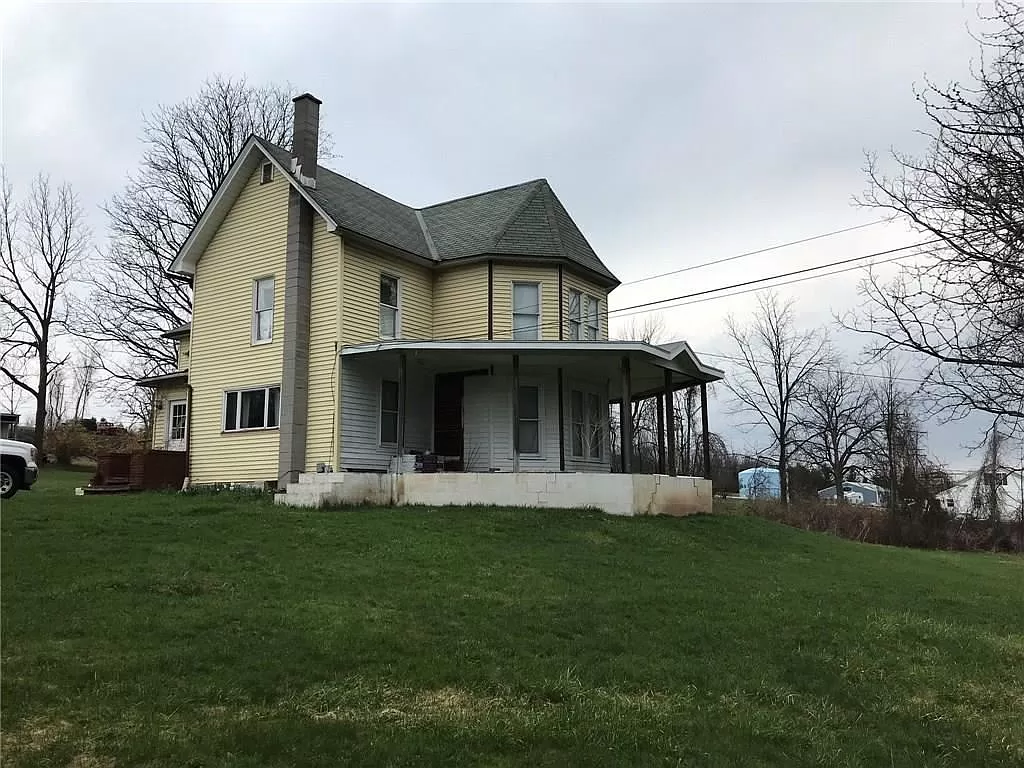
<point x="448" y="389"/>
<point x="176" y="424"/>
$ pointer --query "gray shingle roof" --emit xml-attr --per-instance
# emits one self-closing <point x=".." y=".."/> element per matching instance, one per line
<point x="525" y="220"/>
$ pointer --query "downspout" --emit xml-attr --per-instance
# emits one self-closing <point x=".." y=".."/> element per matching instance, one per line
<point x="188" y="436"/>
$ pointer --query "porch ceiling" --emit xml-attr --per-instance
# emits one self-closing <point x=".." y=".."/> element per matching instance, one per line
<point x="590" y="359"/>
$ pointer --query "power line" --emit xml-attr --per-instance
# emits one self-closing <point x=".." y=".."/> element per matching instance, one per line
<point x="780" y="275"/>
<point x="791" y="243"/>
<point x="764" y="287"/>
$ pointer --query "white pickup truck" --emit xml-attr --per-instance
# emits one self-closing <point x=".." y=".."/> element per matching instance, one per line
<point x="18" y="468"/>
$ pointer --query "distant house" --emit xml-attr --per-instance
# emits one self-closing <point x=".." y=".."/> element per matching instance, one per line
<point x="1006" y="486"/>
<point x="760" y="483"/>
<point x="870" y="494"/>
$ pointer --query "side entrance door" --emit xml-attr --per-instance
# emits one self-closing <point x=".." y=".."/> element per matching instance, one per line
<point x="176" y="425"/>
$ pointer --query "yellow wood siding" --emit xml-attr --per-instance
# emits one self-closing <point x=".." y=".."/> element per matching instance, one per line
<point x="571" y="282"/>
<point x="161" y="412"/>
<point x="361" y="296"/>
<point x="507" y="274"/>
<point x="460" y="303"/>
<point x="183" y="352"/>
<point x="324" y="338"/>
<point x="249" y="244"/>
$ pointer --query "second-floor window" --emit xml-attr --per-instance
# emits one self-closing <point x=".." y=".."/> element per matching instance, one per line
<point x="526" y="311"/>
<point x="575" y="301"/>
<point x="593" y="327"/>
<point x="390" y="320"/>
<point x="584" y="316"/>
<point x="263" y="310"/>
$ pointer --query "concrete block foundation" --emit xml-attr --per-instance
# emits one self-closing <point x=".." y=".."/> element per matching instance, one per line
<point x="616" y="494"/>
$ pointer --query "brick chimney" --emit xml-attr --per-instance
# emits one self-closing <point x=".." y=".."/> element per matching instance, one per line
<point x="305" y="138"/>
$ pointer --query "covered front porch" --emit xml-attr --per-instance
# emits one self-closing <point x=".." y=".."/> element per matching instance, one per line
<point x="507" y="406"/>
<point x="511" y="423"/>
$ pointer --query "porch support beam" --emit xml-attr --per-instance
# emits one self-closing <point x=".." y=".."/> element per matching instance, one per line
<point x="704" y="425"/>
<point x="670" y="423"/>
<point x="627" y="417"/>
<point x="402" y="386"/>
<point x="561" y="417"/>
<point x="515" y="413"/>
<point x="660" y="428"/>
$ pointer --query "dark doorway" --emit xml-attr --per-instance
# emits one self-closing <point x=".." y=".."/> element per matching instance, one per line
<point x="448" y="391"/>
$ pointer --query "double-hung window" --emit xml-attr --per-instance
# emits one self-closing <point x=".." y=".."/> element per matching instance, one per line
<point x="389" y="412"/>
<point x="593" y="327"/>
<point x="251" y="408"/>
<point x="575" y="302"/>
<point x="528" y="428"/>
<point x="263" y="310"/>
<point x="526" y="311"/>
<point x="586" y="423"/>
<point x="390" y="320"/>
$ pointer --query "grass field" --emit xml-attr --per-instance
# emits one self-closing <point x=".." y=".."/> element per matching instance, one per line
<point x="205" y="631"/>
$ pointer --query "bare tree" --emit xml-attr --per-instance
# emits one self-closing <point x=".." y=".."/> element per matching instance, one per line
<point x="838" y="417"/>
<point x="83" y="379"/>
<point x="56" y="398"/>
<point x="188" y="149"/>
<point x="962" y="310"/>
<point x="43" y="244"/>
<point x="778" y="361"/>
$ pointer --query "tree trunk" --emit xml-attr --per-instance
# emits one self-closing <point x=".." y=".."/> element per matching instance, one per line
<point x="41" y="389"/>
<point x="783" y="478"/>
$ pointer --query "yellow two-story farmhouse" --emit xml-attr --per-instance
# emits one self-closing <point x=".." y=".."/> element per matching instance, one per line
<point x="336" y="330"/>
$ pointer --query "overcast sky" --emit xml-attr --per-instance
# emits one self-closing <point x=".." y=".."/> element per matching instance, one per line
<point x="674" y="134"/>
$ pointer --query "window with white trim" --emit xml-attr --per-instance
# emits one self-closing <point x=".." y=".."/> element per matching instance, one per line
<point x="251" y="408"/>
<point x="267" y="173"/>
<point x="263" y="310"/>
<point x="587" y="426"/>
<point x="528" y="428"/>
<point x="390" y="320"/>
<point x="578" y="421"/>
<point x="575" y="303"/>
<point x="593" y="327"/>
<point x="595" y="424"/>
<point x="388" y="412"/>
<point x="526" y="311"/>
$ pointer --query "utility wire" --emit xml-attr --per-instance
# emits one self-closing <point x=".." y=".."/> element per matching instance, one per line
<point x="780" y="246"/>
<point x="780" y="275"/>
<point x="765" y="287"/>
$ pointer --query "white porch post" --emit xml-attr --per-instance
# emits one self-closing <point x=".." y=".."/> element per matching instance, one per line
<point x="627" y="417"/>
<point x="704" y="424"/>
<point x="515" y="413"/>
<point x="670" y="423"/>
<point x="401" y="407"/>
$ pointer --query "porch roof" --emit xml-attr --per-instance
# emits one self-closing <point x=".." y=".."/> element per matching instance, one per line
<point x="648" y="362"/>
<point x="175" y="377"/>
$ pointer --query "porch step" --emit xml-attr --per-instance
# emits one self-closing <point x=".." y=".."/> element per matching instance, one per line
<point x="325" y="488"/>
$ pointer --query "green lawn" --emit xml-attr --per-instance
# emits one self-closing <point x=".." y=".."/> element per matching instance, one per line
<point x="202" y="631"/>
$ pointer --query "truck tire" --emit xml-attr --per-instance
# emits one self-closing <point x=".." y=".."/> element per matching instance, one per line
<point x="9" y="480"/>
